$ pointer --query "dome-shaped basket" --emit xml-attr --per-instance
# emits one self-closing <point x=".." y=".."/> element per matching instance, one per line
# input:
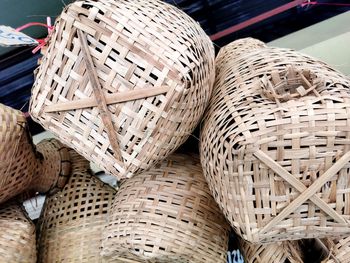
<point x="279" y="252"/>
<point x="72" y="220"/>
<point x="17" y="235"/>
<point x="166" y="215"/>
<point x="26" y="167"/>
<point x="275" y="145"/>
<point x="240" y="47"/>
<point x="124" y="82"/>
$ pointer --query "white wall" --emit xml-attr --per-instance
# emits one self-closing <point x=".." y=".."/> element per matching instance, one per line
<point x="328" y="40"/>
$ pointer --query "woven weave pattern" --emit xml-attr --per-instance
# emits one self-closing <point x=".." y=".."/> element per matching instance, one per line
<point x="166" y="215"/>
<point x="17" y="235"/>
<point x="17" y="157"/>
<point x="240" y="47"/>
<point x="275" y="145"/>
<point x="338" y="249"/>
<point x="281" y="252"/>
<point x="72" y="220"/>
<point x="124" y="82"/>
<point x="22" y="166"/>
<point x="54" y="166"/>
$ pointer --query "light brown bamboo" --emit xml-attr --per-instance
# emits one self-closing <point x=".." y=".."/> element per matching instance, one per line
<point x="275" y="144"/>
<point x="124" y="83"/>
<point x="23" y="166"/>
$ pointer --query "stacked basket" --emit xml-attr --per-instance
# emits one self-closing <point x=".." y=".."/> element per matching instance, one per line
<point x="274" y="144"/>
<point x="17" y="235"/>
<point x="124" y="83"/>
<point x="72" y="220"/>
<point x="24" y="167"/>
<point x="166" y="214"/>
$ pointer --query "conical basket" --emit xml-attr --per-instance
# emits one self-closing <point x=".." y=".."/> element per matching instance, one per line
<point x="17" y="235"/>
<point x="124" y="82"/>
<point x="166" y="215"/>
<point x="275" y="145"/>
<point x="71" y="223"/>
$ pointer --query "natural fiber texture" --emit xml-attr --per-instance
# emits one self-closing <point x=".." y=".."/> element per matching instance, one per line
<point x="338" y="250"/>
<point x="22" y="167"/>
<point x="124" y="82"/>
<point x="280" y="252"/>
<point x="166" y="215"/>
<point x="17" y="235"/>
<point x="17" y="157"/>
<point x="54" y="166"/>
<point x="240" y="47"/>
<point x="275" y="145"/>
<point x="71" y="223"/>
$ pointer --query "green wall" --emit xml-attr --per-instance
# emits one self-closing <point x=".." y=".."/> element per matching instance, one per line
<point x="15" y="13"/>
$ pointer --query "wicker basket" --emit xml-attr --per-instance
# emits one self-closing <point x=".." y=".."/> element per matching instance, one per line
<point x="54" y="166"/>
<point x="124" y="82"/>
<point x="17" y="235"/>
<point x="72" y="220"/>
<point x="280" y="252"/>
<point x="166" y="215"/>
<point x="239" y="47"/>
<point x="22" y="167"/>
<point x="275" y="145"/>
<point x="338" y="250"/>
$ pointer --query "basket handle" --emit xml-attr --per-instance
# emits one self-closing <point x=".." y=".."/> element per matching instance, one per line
<point x="291" y="84"/>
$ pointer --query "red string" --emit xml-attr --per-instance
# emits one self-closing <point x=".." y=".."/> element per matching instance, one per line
<point x="33" y="24"/>
<point x="42" y="41"/>
<point x="317" y="3"/>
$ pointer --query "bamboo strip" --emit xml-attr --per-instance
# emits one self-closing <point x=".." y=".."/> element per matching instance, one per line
<point x="110" y="99"/>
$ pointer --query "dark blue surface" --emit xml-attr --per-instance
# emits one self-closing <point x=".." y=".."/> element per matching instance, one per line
<point x="17" y="66"/>
<point x="16" y="78"/>
<point x="217" y="15"/>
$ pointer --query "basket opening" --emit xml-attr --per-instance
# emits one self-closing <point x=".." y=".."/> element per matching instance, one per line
<point x="290" y="84"/>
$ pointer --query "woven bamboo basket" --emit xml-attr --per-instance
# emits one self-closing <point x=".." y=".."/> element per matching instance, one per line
<point x="124" y="82"/>
<point x="72" y="220"/>
<point x="166" y="214"/>
<point x="238" y="48"/>
<point x="54" y="166"/>
<point x="17" y="235"/>
<point x="338" y="250"/>
<point x="275" y="145"/>
<point x="24" y="167"/>
<point x="279" y="252"/>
